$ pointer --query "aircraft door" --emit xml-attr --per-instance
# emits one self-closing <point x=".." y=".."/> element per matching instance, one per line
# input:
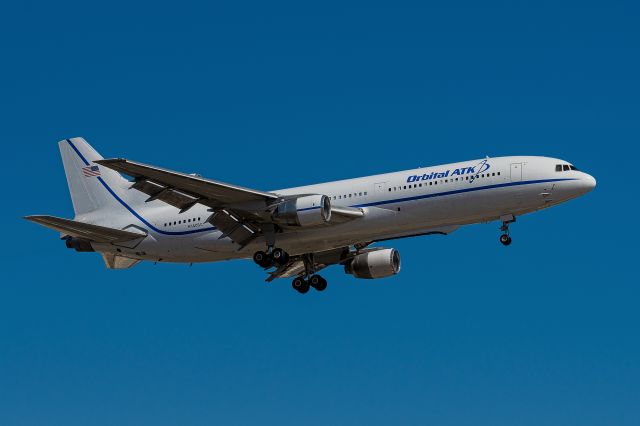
<point x="516" y="172"/>
<point x="379" y="187"/>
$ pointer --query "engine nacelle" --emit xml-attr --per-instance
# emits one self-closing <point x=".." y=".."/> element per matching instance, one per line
<point x="308" y="210"/>
<point x="78" y="244"/>
<point x="374" y="264"/>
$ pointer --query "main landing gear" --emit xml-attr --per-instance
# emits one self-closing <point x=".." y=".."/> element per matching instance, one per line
<point x="505" y="239"/>
<point x="309" y="279"/>
<point x="302" y="286"/>
<point x="276" y="256"/>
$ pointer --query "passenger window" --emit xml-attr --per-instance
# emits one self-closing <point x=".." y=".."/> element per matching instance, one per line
<point x="365" y="192"/>
<point x="405" y="187"/>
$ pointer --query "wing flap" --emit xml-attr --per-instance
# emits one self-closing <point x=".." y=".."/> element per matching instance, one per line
<point x="233" y="227"/>
<point x="96" y="233"/>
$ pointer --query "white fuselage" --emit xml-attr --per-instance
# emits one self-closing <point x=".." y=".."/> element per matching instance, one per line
<point x="410" y="202"/>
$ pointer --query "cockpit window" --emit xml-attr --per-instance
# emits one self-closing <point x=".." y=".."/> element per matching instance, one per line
<point x="574" y="168"/>
<point x="565" y="167"/>
<point x="558" y="167"/>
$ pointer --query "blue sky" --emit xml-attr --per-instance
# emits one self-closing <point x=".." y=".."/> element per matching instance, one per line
<point x="277" y="95"/>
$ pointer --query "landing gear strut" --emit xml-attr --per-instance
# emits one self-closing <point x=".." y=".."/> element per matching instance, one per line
<point x="505" y="239"/>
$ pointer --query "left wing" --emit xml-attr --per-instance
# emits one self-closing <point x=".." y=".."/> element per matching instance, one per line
<point x="242" y="214"/>
<point x="183" y="190"/>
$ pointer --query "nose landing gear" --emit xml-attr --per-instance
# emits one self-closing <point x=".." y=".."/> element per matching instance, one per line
<point x="505" y="238"/>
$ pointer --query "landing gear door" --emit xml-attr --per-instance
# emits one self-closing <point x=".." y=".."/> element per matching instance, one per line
<point x="516" y="172"/>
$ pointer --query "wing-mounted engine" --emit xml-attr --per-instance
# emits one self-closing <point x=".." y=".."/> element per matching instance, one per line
<point x="374" y="264"/>
<point x="307" y="210"/>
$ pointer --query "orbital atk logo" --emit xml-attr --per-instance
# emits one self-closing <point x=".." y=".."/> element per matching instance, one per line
<point x="481" y="167"/>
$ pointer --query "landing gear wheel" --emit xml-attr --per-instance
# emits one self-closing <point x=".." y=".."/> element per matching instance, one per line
<point x="505" y="239"/>
<point x="300" y="285"/>
<point x="317" y="282"/>
<point x="262" y="259"/>
<point x="279" y="256"/>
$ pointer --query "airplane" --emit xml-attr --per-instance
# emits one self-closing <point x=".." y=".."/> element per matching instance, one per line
<point x="161" y="215"/>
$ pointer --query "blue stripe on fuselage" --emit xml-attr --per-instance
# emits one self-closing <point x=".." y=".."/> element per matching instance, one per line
<point x="459" y="191"/>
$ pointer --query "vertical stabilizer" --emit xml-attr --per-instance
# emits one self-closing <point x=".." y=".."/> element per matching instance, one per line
<point x="90" y="184"/>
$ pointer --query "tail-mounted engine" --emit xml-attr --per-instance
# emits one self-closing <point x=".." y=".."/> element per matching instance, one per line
<point x="78" y="244"/>
<point x="374" y="264"/>
<point x="308" y="210"/>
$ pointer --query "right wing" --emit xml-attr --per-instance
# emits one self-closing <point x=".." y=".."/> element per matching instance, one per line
<point x="87" y="231"/>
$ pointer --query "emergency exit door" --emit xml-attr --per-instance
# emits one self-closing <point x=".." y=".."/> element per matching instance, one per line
<point x="516" y="172"/>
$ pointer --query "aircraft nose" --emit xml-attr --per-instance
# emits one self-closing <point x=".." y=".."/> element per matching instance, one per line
<point x="588" y="183"/>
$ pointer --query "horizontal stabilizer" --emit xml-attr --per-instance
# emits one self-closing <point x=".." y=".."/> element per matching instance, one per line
<point x="95" y="233"/>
